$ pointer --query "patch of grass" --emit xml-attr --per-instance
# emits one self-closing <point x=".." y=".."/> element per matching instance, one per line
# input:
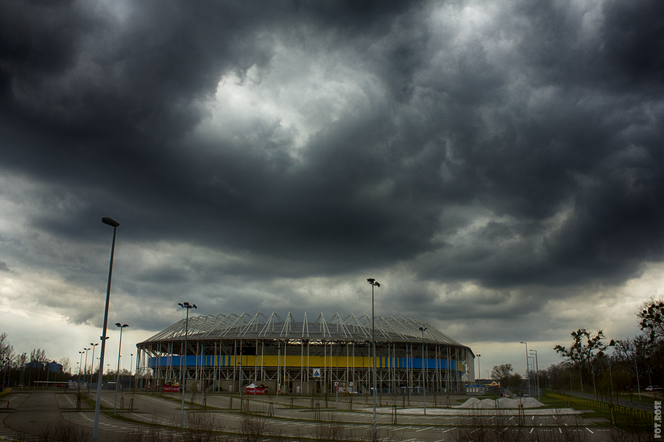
<point x="596" y="411"/>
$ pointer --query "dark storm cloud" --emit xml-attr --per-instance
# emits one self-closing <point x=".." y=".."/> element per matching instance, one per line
<point x="509" y="145"/>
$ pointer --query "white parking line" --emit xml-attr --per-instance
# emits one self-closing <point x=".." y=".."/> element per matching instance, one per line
<point x="423" y="429"/>
<point x="589" y="430"/>
<point x="450" y="429"/>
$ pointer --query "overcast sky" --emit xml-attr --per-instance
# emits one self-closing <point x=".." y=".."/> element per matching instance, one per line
<point x="496" y="166"/>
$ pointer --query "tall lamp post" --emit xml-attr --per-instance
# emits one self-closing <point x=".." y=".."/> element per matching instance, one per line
<point x="527" y="366"/>
<point x="117" y="374"/>
<point x="131" y="362"/>
<point x="111" y="222"/>
<point x="479" y="366"/>
<point x="187" y="306"/>
<point x="85" y="367"/>
<point x="92" y="371"/>
<point x="373" y="283"/>
<point x="80" y="363"/>
<point x="424" y="373"/>
<point x="537" y="385"/>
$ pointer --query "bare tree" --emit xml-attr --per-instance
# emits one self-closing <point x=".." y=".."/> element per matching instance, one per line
<point x="38" y="355"/>
<point x="585" y="351"/>
<point x="502" y="373"/>
<point x="6" y="349"/>
<point x="651" y="319"/>
<point x="66" y="364"/>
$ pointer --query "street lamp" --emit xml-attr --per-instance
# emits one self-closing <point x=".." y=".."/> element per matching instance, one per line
<point x="537" y="373"/>
<point x="187" y="306"/>
<point x="479" y="366"/>
<point x="86" y="361"/>
<point x="424" y="373"/>
<point x="117" y="374"/>
<point x="527" y="367"/>
<point x="92" y="371"/>
<point x="80" y="363"/>
<point x="373" y="283"/>
<point x="111" y="222"/>
<point x="131" y="362"/>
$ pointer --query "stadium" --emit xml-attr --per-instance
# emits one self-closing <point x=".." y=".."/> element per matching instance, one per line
<point x="229" y="351"/>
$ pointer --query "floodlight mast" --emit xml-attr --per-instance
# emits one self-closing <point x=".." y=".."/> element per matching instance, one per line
<point x="183" y="371"/>
<point x="113" y="223"/>
<point x="117" y="374"/>
<point x="424" y="373"/>
<point x="373" y="283"/>
<point x="527" y="367"/>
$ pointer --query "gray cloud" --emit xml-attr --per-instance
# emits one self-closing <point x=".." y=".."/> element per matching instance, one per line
<point x="488" y="155"/>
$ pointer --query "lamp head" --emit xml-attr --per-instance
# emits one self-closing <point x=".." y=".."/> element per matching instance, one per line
<point x="110" y="221"/>
<point x="371" y="280"/>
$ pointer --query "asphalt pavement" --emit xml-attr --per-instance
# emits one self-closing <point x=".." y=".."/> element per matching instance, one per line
<point x="29" y="414"/>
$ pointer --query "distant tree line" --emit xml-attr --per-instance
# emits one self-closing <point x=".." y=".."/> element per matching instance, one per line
<point x="593" y="363"/>
<point x="16" y="368"/>
<point x="634" y="363"/>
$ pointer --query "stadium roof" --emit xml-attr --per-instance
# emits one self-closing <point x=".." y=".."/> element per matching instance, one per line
<point x="260" y="326"/>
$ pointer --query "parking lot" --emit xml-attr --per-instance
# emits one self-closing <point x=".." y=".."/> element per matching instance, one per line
<point x="25" y="414"/>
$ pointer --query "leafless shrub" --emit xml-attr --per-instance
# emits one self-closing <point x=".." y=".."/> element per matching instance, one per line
<point x="254" y="427"/>
<point x="203" y="422"/>
<point x="63" y="432"/>
<point x="632" y="435"/>
<point x="149" y="435"/>
<point x="200" y="428"/>
<point x="388" y="434"/>
<point x="504" y="432"/>
<point x="475" y="431"/>
<point x="575" y="432"/>
<point x="331" y="430"/>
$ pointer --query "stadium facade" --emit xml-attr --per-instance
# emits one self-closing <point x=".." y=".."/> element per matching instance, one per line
<point x="226" y="352"/>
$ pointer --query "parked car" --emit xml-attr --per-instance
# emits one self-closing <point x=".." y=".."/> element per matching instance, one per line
<point x="650" y="388"/>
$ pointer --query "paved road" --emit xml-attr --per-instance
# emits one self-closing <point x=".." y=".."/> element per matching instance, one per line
<point x="30" y="413"/>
